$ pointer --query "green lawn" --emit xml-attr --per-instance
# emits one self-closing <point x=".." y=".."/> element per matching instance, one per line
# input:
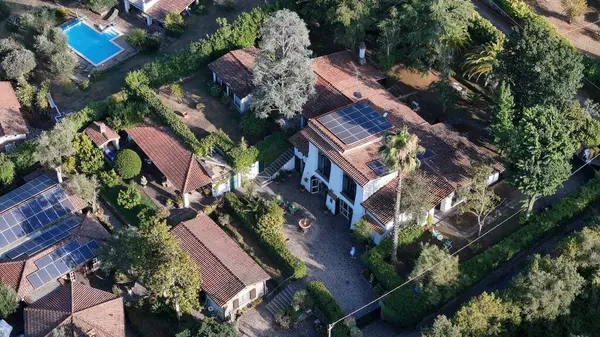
<point x="128" y="215"/>
<point x="272" y="147"/>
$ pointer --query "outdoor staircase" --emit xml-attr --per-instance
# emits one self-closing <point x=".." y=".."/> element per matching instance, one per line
<point x="281" y="301"/>
<point x="267" y="175"/>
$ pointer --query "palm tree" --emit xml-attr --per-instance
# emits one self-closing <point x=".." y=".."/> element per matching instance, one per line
<point x="399" y="153"/>
<point x="482" y="61"/>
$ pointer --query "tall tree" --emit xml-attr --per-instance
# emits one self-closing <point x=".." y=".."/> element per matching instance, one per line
<point x="390" y="37"/>
<point x="482" y="61"/>
<point x="439" y="283"/>
<point x="574" y="8"/>
<point x="480" y="200"/>
<point x="583" y="248"/>
<point x="583" y="122"/>
<point x="55" y="145"/>
<point x="540" y="66"/>
<point x="417" y="199"/>
<point x="7" y="172"/>
<point x="486" y="315"/>
<point x="430" y="29"/>
<point x="8" y="301"/>
<point x="283" y="73"/>
<point x="352" y="17"/>
<point x="399" y="154"/>
<point x="442" y="327"/>
<point x="84" y="187"/>
<point x="537" y="158"/>
<point x="548" y="288"/>
<point x="504" y="114"/>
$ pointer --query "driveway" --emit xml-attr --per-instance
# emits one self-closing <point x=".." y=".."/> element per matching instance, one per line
<point x="325" y="247"/>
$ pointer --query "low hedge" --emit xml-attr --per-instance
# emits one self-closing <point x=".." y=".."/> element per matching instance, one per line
<point x="328" y="306"/>
<point x="274" y="244"/>
<point x="404" y="307"/>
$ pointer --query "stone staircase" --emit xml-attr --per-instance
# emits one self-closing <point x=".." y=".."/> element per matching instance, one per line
<point x="281" y="301"/>
<point x="267" y="175"/>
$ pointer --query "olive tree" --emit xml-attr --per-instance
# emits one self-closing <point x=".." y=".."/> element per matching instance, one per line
<point x="437" y="283"/>
<point x="283" y="73"/>
<point x="480" y="200"/>
<point x="56" y="144"/>
<point x="17" y="63"/>
<point x="84" y="187"/>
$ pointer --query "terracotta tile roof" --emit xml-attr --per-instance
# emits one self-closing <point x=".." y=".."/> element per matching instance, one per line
<point x="11" y="119"/>
<point x="225" y="268"/>
<point x="235" y="69"/>
<point x="325" y="99"/>
<point x="170" y="156"/>
<point x="374" y="225"/>
<point x="11" y="272"/>
<point x="381" y="203"/>
<point x="161" y="8"/>
<point x="300" y="142"/>
<point x="97" y="136"/>
<point x="79" y="309"/>
<point x="89" y="229"/>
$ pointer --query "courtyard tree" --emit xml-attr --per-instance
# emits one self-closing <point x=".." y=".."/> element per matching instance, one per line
<point x="486" y="315"/>
<point x="574" y="8"/>
<point x="351" y="19"/>
<point x="17" y="63"/>
<point x="128" y="163"/>
<point x="547" y="289"/>
<point x="8" y="301"/>
<point x="283" y="75"/>
<point x="84" y="187"/>
<point x="503" y="120"/>
<point x="539" y="66"/>
<point x="399" y="154"/>
<point x="537" y="158"/>
<point x="479" y="199"/>
<point x="56" y="144"/>
<point x="431" y="28"/>
<point x="7" y="172"/>
<point x="442" y="327"/>
<point x="417" y="199"/>
<point x="89" y="159"/>
<point x="438" y="283"/>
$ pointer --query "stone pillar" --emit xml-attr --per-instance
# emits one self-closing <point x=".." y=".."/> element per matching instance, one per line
<point x="186" y="200"/>
<point x="127" y="6"/>
<point x="148" y="20"/>
<point x="116" y="144"/>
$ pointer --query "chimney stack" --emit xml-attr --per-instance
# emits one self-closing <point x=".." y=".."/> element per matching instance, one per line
<point x="362" y="48"/>
<point x="102" y="128"/>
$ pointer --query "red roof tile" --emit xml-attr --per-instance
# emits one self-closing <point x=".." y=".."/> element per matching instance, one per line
<point x="11" y="119"/>
<point x="170" y="156"/>
<point x="98" y="137"/>
<point x="235" y="69"/>
<point x="79" y="309"/>
<point x="160" y="9"/>
<point x="11" y="272"/>
<point x="225" y="268"/>
<point x="374" y="225"/>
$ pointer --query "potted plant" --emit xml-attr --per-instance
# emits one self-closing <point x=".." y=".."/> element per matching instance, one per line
<point x="179" y="202"/>
<point x="169" y="202"/>
<point x="302" y="188"/>
<point x="143" y="181"/>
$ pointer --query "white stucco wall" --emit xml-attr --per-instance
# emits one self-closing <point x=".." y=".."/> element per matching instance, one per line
<point x="11" y="138"/>
<point x="227" y="309"/>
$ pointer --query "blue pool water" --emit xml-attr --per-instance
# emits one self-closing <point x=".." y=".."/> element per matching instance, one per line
<point x="91" y="44"/>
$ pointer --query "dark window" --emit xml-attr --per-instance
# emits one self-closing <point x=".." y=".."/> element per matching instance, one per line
<point x="324" y="168"/>
<point x="348" y="187"/>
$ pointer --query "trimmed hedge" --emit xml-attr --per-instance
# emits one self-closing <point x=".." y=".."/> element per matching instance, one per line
<point x="482" y="31"/>
<point x="407" y="308"/>
<point x="328" y="306"/>
<point x="274" y="244"/>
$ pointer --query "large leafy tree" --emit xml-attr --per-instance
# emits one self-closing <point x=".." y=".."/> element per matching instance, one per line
<point x="583" y="122"/>
<point x="438" y="283"/>
<point x="486" y="315"/>
<point x="352" y="17"/>
<point x="55" y="145"/>
<point x="8" y="301"/>
<point x="17" y="63"/>
<point x="399" y="154"/>
<point x="540" y="66"/>
<point x="583" y="248"/>
<point x="7" y="171"/>
<point x="538" y="154"/>
<point x="88" y="157"/>
<point x="430" y="29"/>
<point x="86" y="188"/>
<point x="442" y="327"/>
<point x="154" y="257"/>
<point x="417" y="199"/>
<point x="210" y="328"/>
<point x="283" y="73"/>
<point x="480" y="200"/>
<point x="547" y="289"/>
<point x="482" y="61"/>
<point x="504" y="113"/>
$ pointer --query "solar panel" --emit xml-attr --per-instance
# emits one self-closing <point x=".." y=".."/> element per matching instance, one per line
<point x="378" y="167"/>
<point x="46" y="239"/>
<point x="426" y="155"/>
<point x="356" y="122"/>
<point x="25" y="192"/>
<point x="34" y="214"/>
<point x="62" y="261"/>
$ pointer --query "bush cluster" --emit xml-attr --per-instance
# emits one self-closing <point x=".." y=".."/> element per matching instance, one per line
<point x="406" y="308"/>
<point x="140" y="39"/>
<point x="128" y="163"/>
<point x="482" y="31"/>
<point x="270" y="148"/>
<point x="328" y="306"/>
<point x="174" y="24"/>
<point x="266" y="224"/>
<point x="129" y="198"/>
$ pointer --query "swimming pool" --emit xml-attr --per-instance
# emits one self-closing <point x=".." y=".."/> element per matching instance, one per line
<point x="94" y="46"/>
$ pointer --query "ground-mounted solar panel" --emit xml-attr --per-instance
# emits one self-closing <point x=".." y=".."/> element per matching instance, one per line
<point x="355" y="122"/>
<point x="62" y="261"/>
<point x="46" y="238"/>
<point x="33" y="215"/>
<point x="25" y="192"/>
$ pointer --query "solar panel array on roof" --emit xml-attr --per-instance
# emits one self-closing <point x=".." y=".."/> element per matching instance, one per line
<point x="355" y="122"/>
<point x="378" y="167"/>
<point x="46" y="239"/>
<point x="25" y="192"/>
<point x="33" y="215"/>
<point x="426" y="155"/>
<point x="62" y="261"/>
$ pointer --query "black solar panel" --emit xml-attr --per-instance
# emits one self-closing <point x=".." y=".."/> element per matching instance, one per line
<point x="378" y="167"/>
<point x="426" y="155"/>
<point x="355" y="122"/>
<point x="25" y="192"/>
<point x="46" y="239"/>
<point x="33" y="215"/>
<point x="62" y="261"/>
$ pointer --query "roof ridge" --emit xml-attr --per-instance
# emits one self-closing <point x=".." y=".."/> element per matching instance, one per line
<point x="210" y="251"/>
<point x="93" y="325"/>
<point x="188" y="173"/>
<point x="48" y="310"/>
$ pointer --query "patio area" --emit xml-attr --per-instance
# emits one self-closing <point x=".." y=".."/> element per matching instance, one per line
<point x="325" y="246"/>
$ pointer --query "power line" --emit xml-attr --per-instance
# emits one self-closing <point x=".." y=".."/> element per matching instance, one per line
<point x="331" y="325"/>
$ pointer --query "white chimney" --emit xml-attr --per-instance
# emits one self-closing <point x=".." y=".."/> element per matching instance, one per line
<point x="102" y="127"/>
<point x="362" y="48"/>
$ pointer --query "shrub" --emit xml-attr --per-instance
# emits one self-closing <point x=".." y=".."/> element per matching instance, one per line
<point x="362" y="231"/>
<point x="84" y="85"/>
<point x="69" y="87"/>
<point x="100" y="6"/>
<point x="409" y="234"/>
<point x="89" y="158"/>
<point x="128" y="164"/>
<point x="8" y="301"/>
<point x="62" y="13"/>
<point x="126" y="115"/>
<point x="41" y="96"/>
<point x="23" y="157"/>
<point x="225" y="100"/>
<point x="137" y="37"/>
<point x="174" y="24"/>
<point x="176" y="91"/>
<point x="97" y="75"/>
<point x="283" y="319"/>
<point x="152" y="42"/>
<point x="251" y="125"/>
<point x="25" y="92"/>
<point x="7" y="171"/>
<point x="216" y="90"/>
<point x="228" y="5"/>
<point x="328" y="306"/>
<point x="270" y="148"/>
<point x="109" y="179"/>
<point x="129" y="197"/>
<point x="4" y="10"/>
